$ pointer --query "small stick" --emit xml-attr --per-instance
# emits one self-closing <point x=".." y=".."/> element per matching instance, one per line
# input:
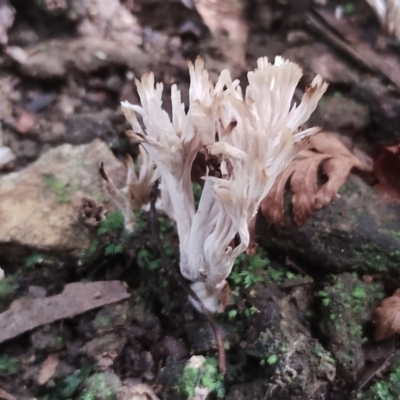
<point x="156" y="243"/>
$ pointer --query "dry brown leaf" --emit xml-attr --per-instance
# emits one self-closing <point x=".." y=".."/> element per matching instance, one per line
<point x="337" y="161"/>
<point x="48" y="369"/>
<point x="387" y="317"/>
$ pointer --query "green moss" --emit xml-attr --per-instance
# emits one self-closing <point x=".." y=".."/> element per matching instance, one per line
<point x="8" y="365"/>
<point x="395" y="234"/>
<point x="370" y="257"/>
<point x="102" y="386"/>
<point x="206" y="375"/>
<point x="348" y="8"/>
<point x="343" y="189"/>
<point x="92" y="249"/>
<point x="197" y="191"/>
<point x="113" y="222"/>
<point x="62" y="191"/>
<point x="187" y="381"/>
<point x="112" y="249"/>
<point x="249" y="270"/>
<point x="346" y="306"/>
<point x="101" y="321"/>
<point x="386" y="390"/>
<point x="8" y="286"/>
<point x="34" y="259"/>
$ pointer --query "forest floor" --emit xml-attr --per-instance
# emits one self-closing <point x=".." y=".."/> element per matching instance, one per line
<point x="90" y="311"/>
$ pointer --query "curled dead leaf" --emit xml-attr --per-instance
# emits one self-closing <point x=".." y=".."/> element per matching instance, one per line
<point x="323" y="150"/>
<point x="386" y="317"/>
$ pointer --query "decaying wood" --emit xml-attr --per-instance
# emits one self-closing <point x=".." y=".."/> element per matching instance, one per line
<point x="358" y="231"/>
<point x="26" y="313"/>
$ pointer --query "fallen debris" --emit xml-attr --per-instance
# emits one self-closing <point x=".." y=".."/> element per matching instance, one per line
<point x="54" y="58"/>
<point x="324" y="149"/>
<point x="387" y="317"/>
<point x="40" y="204"/>
<point x="48" y="368"/>
<point x="77" y="298"/>
<point x="140" y="391"/>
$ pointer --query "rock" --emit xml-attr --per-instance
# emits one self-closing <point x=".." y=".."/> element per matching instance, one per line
<point x="40" y="204"/>
<point x="298" y="37"/>
<point x="295" y="362"/>
<point x="105" y="349"/>
<point x="101" y="386"/>
<point x="384" y="105"/>
<point x="359" y="231"/>
<point x="113" y="318"/>
<point x="48" y="338"/>
<point x="244" y="391"/>
<point x="25" y="148"/>
<point x="7" y="84"/>
<point x="55" y="58"/>
<point x="346" y="306"/>
<point x="83" y="128"/>
<point x="340" y="113"/>
<point x="174" y="348"/>
<point x="202" y="338"/>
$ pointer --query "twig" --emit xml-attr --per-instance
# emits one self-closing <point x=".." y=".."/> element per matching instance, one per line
<point x="291" y="283"/>
<point x="375" y="371"/>
<point x="156" y="243"/>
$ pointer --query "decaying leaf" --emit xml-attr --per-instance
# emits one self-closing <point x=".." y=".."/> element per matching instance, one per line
<point x="48" y="369"/>
<point x="386" y="317"/>
<point x="386" y="170"/>
<point x="323" y="150"/>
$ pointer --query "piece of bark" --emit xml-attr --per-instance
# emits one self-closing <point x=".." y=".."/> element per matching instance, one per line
<point x="359" y="231"/>
<point x="26" y="313"/>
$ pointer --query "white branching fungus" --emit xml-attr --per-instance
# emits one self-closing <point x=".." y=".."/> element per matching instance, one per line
<point x="250" y="140"/>
<point x="388" y="13"/>
<point x="136" y="193"/>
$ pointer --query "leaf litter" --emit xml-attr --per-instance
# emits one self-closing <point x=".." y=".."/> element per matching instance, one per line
<point x="386" y="317"/>
<point x="325" y="153"/>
